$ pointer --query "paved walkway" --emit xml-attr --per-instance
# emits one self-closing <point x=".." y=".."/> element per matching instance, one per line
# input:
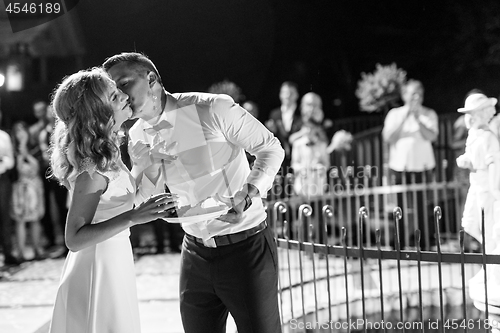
<point x="27" y="295"/>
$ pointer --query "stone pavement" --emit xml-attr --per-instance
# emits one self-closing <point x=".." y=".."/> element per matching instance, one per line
<point x="27" y="295"/>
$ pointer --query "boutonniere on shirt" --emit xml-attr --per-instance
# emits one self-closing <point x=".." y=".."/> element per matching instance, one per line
<point x="162" y="125"/>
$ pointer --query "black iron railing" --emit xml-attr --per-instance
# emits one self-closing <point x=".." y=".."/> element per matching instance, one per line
<point x="351" y="288"/>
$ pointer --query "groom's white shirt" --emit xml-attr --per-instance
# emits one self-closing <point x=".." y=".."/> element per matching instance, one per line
<point x="212" y="133"/>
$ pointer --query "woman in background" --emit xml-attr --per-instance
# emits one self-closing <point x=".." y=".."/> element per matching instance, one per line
<point x="28" y="205"/>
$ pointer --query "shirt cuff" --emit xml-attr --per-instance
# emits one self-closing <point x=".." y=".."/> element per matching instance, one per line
<point x="261" y="180"/>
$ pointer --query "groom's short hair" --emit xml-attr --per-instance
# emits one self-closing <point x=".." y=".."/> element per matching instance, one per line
<point x="133" y="58"/>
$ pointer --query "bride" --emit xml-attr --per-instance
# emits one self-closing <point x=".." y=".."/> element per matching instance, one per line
<point x="97" y="292"/>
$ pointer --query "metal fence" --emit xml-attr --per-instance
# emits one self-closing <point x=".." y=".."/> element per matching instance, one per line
<point x="351" y="261"/>
<point x="342" y="288"/>
<point x="356" y="188"/>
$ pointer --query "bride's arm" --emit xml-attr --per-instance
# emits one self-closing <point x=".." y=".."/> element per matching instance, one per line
<point x="80" y="233"/>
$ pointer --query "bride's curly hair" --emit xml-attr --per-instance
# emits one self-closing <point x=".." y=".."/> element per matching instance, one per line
<point x="83" y="130"/>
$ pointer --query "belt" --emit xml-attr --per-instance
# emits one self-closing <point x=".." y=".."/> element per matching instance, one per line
<point x="229" y="239"/>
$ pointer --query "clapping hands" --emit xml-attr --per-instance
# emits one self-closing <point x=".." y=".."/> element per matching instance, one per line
<point x="415" y="110"/>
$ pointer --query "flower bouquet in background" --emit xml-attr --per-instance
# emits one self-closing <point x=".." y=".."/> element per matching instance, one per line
<point x="381" y="90"/>
<point x="341" y="142"/>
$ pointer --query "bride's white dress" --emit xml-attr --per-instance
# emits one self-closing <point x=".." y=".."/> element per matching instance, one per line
<point x="97" y="292"/>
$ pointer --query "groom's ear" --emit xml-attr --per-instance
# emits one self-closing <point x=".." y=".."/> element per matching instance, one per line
<point x="152" y="78"/>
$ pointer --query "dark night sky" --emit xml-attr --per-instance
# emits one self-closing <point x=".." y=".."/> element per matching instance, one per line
<point x="193" y="43"/>
<point x="323" y="45"/>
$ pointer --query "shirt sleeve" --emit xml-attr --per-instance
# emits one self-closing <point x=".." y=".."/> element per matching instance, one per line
<point x="245" y="131"/>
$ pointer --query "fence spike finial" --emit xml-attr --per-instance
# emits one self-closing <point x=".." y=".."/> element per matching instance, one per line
<point x="327" y="211"/>
<point x="334" y="172"/>
<point x="437" y="218"/>
<point x="363" y="212"/>
<point x="305" y="210"/>
<point x="278" y="207"/>
<point x="437" y="213"/>
<point x="398" y="213"/>
<point x="363" y="215"/>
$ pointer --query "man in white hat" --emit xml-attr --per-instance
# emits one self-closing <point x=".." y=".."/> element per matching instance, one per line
<point x="482" y="158"/>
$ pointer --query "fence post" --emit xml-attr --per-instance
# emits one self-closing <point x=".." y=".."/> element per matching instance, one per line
<point x="279" y="207"/>
<point x="327" y="214"/>
<point x="397" y="216"/>
<point x="363" y="214"/>
<point x="304" y="210"/>
<point x="437" y="218"/>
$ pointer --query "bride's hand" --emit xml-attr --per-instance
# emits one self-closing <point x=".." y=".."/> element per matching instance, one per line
<point x="157" y="207"/>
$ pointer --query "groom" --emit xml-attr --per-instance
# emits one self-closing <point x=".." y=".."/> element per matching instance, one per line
<point x="228" y="264"/>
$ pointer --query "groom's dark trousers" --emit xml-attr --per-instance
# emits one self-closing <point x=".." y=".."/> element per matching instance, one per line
<point x="240" y="278"/>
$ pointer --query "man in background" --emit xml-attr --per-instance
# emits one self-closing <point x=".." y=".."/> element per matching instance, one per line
<point x="410" y="130"/>
<point x="286" y="119"/>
